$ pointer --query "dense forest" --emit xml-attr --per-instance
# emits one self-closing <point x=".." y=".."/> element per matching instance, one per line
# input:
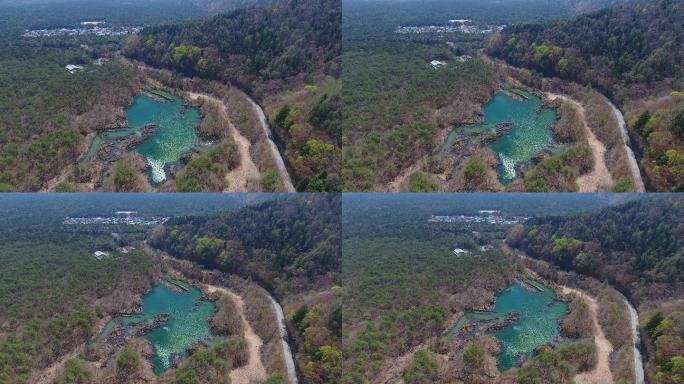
<point x="49" y="111"/>
<point x="282" y="244"/>
<point x="403" y="287"/>
<point x="621" y="51"/>
<point x="637" y="248"/>
<point x="267" y="43"/>
<point x="285" y="55"/>
<point x="658" y="127"/>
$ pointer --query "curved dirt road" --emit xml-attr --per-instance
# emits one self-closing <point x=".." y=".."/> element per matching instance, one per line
<point x="601" y="374"/>
<point x="50" y="374"/>
<point x="240" y="177"/>
<point x="254" y="371"/>
<point x="599" y="179"/>
<point x="396" y="184"/>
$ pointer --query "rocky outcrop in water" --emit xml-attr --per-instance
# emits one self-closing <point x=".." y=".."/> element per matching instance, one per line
<point x="507" y="321"/>
<point x="469" y="142"/>
<point x="123" y="333"/>
<point x="112" y="150"/>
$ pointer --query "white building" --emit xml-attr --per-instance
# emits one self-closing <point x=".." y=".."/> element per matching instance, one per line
<point x="100" y="254"/>
<point x="489" y="212"/>
<point x="73" y="68"/>
<point x="459" y="252"/>
<point x="460" y="21"/>
<point x="436" y="64"/>
<point x="95" y="23"/>
<point x="126" y="213"/>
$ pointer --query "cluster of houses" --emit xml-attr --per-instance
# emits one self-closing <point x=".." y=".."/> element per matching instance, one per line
<point x="119" y="218"/>
<point x="454" y="26"/>
<point x="468" y="26"/>
<point x="484" y="216"/>
<point x="87" y="28"/>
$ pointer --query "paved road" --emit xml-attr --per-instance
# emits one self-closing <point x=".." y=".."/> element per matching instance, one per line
<point x="633" y="165"/>
<point x="282" y="170"/>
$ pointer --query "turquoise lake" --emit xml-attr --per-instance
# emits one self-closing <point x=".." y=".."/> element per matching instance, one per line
<point x="540" y="313"/>
<point x="531" y="131"/>
<point x="176" y="133"/>
<point x="187" y="325"/>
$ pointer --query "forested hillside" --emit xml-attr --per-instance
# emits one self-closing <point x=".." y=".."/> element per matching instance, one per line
<point x="580" y="6"/>
<point x="639" y="249"/>
<point x="286" y="56"/>
<point x="219" y="6"/>
<point x="657" y="125"/>
<point x="55" y="294"/>
<point x="396" y="106"/>
<point x="406" y="290"/>
<point x="403" y="291"/>
<point x="620" y="50"/>
<point x="286" y="244"/>
<point x="399" y="110"/>
<point x="267" y="43"/>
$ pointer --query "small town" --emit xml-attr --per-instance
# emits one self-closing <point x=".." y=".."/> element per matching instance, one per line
<point x="454" y="26"/>
<point x="484" y="216"/>
<point x="119" y="218"/>
<point x="87" y="28"/>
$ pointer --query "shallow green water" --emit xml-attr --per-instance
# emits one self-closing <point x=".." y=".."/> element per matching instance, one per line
<point x="530" y="134"/>
<point x="175" y="136"/>
<point x="187" y="326"/>
<point x="538" y="324"/>
<point x="176" y="133"/>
